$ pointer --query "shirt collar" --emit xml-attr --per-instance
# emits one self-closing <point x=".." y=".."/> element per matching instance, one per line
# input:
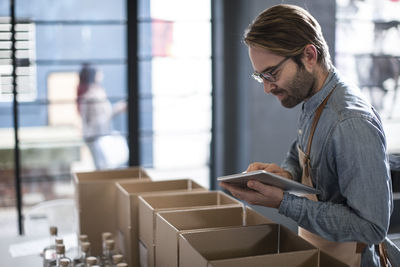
<point x="314" y="101"/>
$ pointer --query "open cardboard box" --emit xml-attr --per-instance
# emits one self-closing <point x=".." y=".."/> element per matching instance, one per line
<point x="169" y="224"/>
<point x="239" y="246"/>
<point x="256" y="246"/>
<point x="127" y="210"/>
<point x="95" y="196"/>
<point x="150" y="205"/>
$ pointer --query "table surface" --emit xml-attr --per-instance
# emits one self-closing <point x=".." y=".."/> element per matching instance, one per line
<point x="27" y="245"/>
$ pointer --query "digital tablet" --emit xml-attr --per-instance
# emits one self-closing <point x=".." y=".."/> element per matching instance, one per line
<point x="268" y="178"/>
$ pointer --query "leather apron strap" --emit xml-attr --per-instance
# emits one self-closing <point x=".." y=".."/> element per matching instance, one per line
<point x="318" y="113"/>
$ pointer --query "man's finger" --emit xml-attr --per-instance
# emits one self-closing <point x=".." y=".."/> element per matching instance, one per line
<point x="257" y="166"/>
<point x="258" y="186"/>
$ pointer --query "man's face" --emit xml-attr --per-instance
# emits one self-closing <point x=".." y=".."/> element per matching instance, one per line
<point x="292" y="84"/>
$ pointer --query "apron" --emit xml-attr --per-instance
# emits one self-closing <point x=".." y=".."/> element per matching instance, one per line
<point x="347" y="252"/>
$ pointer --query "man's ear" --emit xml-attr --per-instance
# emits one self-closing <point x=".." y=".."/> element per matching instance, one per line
<point x="310" y="57"/>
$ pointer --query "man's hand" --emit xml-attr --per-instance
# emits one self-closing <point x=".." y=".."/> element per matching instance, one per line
<point x="257" y="193"/>
<point x="270" y="167"/>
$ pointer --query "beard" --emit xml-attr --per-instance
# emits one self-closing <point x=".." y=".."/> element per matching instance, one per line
<point x="298" y="90"/>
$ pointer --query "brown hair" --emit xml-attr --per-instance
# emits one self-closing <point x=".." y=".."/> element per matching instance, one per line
<point x="286" y="30"/>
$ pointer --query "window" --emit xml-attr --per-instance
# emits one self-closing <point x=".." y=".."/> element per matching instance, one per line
<point x="55" y="39"/>
<point x="175" y="88"/>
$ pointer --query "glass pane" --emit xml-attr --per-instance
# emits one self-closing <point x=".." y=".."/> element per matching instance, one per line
<point x="174" y="10"/>
<point x="189" y="113"/>
<point x="80" y="42"/>
<point x="174" y="39"/>
<point x="5" y="8"/>
<point x="176" y="151"/>
<point x="175" y="88"/>
<point x="180" y="76"/>
<point x="8" y="210"/>
<point x="49" y="10"/>
<point x="177" y="10"/>
<point x="72" y="88"/>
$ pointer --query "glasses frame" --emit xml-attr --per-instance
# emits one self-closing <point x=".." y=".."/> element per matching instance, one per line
<point x="269" y="76"/>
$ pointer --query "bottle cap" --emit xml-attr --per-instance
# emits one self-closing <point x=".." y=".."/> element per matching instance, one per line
<point x="53" y="230"/>
<point x="60" y="249"/>
<point x="106" y="235"/>
<point x="83" y="238"/>
<point x="59" y="241"/>
<point x="117" y="258"/>
<point x="91" y="260"/>
<point x="122" y="264"/>
<point x="64" y="262"/>
<point x="85" y="246"/>
<point x="110" y="244"/>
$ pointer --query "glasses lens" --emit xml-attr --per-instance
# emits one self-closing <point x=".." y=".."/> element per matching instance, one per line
<point x="257" y="77"/>
<point x="268" y="76"/>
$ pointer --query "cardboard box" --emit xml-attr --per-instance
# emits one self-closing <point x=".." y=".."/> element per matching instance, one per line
<point x="149" y="206"/>
<point x="329" y="261"/>
<point x="127" y="210"/>
<point x="257" y="245"/>
<point x="95" y="195"/>
<point x="306" y="258"/>
<point x="169" y="224"/>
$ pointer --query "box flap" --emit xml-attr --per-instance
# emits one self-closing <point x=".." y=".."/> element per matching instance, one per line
<point x="114" y="174"/>
<point x="170" y="185"/>
<point x="235" y="241"/>
<point x="203" y="218"/>
<point x="308" y="258"/>
<point x="253" y="217"/>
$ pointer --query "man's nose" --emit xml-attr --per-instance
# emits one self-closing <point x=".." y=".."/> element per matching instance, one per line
<point x="268" y="86"/>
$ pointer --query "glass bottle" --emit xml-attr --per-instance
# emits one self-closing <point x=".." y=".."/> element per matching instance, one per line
<point x="60" y="250"/>
<point x="85" y="253"/>
<point x="49" y="252"/>
<point x="117" y="258"/>
<point x="78" y="258"/>
<point x="65" y="263"/>
<point x="59" y="241"/>
<point x="91" y="261"/>
<point x="108" y="253"/>
<point x="104" y="236"/>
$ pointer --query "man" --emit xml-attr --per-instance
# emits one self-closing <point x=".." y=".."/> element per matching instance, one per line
<point x="343" y="154"/>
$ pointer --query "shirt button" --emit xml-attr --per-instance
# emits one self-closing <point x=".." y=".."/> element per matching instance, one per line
<point x="300" y="132"/>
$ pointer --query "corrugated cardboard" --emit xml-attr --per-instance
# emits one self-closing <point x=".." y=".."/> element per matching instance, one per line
<point x="306" y="258"/>
<point x="255" y="246"/>
<point x="127" y="210"/>
<point x="95" y="195"/>
<point x="329" y="261"/>
<point x="169" y="224"/>
<point x="237" y="246"/>
<point x="149" y="206"/>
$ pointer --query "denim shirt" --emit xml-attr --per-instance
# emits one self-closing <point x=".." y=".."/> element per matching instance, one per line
<point x="349" y="165"/>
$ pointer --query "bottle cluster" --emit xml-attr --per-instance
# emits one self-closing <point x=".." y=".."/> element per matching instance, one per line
<point x="54" y="254"/>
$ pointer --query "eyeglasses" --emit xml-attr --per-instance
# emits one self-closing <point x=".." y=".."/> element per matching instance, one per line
<point x="268" y="75"/>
